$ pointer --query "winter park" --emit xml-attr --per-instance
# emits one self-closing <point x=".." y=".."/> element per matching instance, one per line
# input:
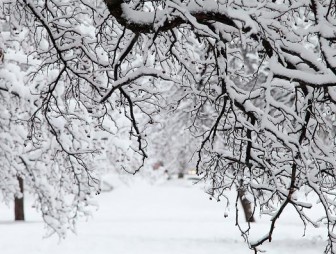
<point x="167" y="126"/>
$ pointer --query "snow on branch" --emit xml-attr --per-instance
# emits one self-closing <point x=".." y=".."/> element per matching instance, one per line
<point x="241" y="91"/>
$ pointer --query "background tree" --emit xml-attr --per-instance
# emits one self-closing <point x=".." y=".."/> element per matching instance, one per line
<point x="30" y="152"/>
<point x="11" y="138"/>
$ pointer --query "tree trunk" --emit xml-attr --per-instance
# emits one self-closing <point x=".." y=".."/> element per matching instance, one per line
<point x="180" y="175"/>
<point x="246" y="206"/>
<point x="18" y="203"/>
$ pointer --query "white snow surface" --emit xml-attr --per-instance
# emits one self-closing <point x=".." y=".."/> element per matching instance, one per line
<point x="170" y="217"/>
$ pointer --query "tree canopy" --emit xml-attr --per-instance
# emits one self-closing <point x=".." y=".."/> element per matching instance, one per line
<point x="253" y="82"/>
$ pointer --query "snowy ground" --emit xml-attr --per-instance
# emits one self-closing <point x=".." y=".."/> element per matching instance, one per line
<point x="172" y="217"/>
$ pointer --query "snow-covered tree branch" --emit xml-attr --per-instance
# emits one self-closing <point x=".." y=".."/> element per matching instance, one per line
<point x="254" y="79"/>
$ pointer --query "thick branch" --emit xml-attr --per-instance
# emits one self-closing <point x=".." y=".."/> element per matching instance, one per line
<point x="143" y="22"/>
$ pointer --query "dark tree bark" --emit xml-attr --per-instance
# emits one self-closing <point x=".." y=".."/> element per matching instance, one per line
<point x="248" y="211"/>
<point x="19" y="203"/>
<point x="180" y="175"/>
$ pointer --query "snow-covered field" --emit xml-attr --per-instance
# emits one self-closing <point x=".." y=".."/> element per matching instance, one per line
<point x="173" y="217"/>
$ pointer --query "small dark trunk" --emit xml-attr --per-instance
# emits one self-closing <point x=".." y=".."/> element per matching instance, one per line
<point x="180" y="175"/>
<point x="18" y="203"/>
<point x="246" y="206"/>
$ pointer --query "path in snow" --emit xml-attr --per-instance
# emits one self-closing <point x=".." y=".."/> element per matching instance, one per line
<point x="171" y="218"/>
